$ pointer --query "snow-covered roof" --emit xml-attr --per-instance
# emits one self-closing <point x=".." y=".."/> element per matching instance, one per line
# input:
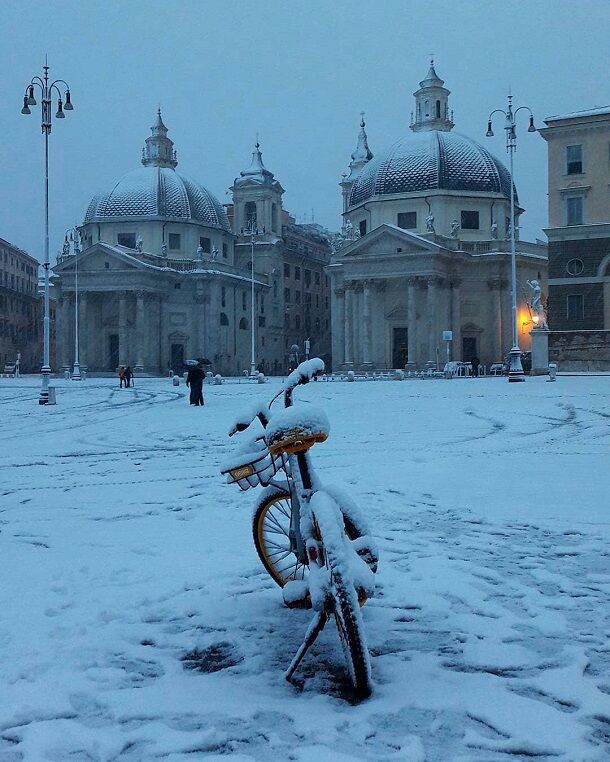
<point x="576" y="114"/>
<point x="431" y="160"/>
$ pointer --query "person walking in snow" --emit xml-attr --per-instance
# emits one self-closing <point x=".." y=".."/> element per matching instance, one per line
<point x="475" y="362"/>
<point x="194" y="380"/>
<point x="122" y="379"/>
<point x="128" y="376"/>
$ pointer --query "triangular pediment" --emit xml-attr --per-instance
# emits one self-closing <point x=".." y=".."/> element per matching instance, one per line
<point x="389" y="239"/>
<point x="101" y="256"/>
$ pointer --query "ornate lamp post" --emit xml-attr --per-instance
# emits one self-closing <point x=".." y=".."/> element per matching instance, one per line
<point x="515" y="372"/>
<point x="46" y="91"/>
<point x="73" y="241"/>
<point x="252" y="231"/>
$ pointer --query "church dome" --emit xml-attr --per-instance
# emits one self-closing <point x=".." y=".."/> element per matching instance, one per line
<point x="157" y="190"/>
<point x="431" y="160"/>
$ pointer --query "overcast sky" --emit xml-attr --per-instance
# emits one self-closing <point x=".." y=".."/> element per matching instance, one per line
<point x="298" y="73"/>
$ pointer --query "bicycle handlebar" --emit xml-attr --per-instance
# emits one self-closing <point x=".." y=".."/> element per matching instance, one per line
<point x="302" y="374"/>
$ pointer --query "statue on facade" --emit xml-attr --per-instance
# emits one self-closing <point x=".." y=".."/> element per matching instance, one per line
<point x="349" y="229"/>
<point x="164" y="250"/>
<point x="139" y="244"/>
<point x="537" y="306"/>
<point x="455" y="228"/>
<point x="494" y="231"/>
<point x="65" y="249"/>
<point x="430" y="223"/>
<point x="509" y="230"/>
<point x="214" y="256"/>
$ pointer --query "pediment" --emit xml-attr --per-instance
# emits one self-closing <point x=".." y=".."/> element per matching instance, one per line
<point x="387" y="240"/>
<point x="100" y="257"/>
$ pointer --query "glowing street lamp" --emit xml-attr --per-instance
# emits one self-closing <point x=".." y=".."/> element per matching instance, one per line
<point x="515" y="372"/>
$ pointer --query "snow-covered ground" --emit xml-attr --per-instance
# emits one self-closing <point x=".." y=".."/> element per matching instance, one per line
<point x="122" y="549"/>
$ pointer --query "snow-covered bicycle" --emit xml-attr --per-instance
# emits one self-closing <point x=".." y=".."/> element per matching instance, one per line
<point x="312" y="539"/>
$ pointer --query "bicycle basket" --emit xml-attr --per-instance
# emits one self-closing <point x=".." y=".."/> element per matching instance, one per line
<point x="252" y="465"/>
<point x="296" y="429"/>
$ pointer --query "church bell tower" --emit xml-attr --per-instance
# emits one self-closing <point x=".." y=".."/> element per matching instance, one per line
<point x="432" y="104"/>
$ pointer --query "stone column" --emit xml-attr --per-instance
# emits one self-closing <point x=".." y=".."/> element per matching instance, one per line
<point x="366" y="323"/>
<point x="123" y="348"/>
<point x="411" y="323"/>
<point x="495" y="323"/>
<point x="379" y="350"/>
<point x="357" y="327"/>
<point x="349" y="308"/>
<point x="431" y="311"/>
<point x="140" y="331"/>
<point x="83" y="332"/>
<point x="456" y="318"/>
<point x="338" y="328"/>
<point x="62" y="335"/>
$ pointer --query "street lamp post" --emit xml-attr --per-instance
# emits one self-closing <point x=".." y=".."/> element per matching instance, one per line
<point x="46" y="91"/>
<point x="74" y="241"/>
<point x="515" y="372"/>
<point x="252" y="231"/>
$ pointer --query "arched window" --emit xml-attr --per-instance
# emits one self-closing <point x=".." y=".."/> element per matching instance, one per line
<point x="438" y="109"/>
<point x="427" y="107"/>
<point x="274" y="225"/>
<point x="250" y="212"/>
<point x="243" y="324"/>
<point x="224" y="320"/>
<point x="243" y="300"/>
<point x="223" y="296"/>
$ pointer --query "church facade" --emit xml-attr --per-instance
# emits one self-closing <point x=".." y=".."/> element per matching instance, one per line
<point x="425" y="249"/>
<point x="165" y="273"/>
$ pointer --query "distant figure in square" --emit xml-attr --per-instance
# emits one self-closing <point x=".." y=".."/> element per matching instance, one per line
<point x="128" y="376"/>
<point x="475" y="362"/>
<point x="194" y="380"/>
<point x="122" y="377"/>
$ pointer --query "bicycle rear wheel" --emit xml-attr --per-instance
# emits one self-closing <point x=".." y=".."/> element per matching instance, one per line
<point x="328" y="520"/>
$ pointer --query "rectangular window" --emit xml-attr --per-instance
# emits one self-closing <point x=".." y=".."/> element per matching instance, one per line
<point x="470" y="220"/>
<point x="297" y="273"/>
<point x="574" y="160"/>
<point x="407" y="220"/>
<point x="287" y="295"/>
<point x="126" y="239"/>
<point x="574" y="210"/>
<point x="308" y="277"/>
<point x="575" y="306"/>
<point x="297" y="297"/>
<point x="297" y="321"/>
<point x="174" y="241"/>
<point x="223" y="296"/>
<point x="286" y="270"/>
<point x="261" y="321"/>
<point x="243" y="300"/>
<point x="362" y="227"/>
<point x="317" y="279"/>
<point x="225" y="250"/>
<point x="204" y="242"/>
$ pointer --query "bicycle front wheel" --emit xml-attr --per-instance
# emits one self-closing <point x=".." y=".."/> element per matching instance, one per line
<point x="328" y="521"/>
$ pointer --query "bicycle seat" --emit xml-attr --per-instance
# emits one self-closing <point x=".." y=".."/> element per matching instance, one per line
<point x="296" y="429"/>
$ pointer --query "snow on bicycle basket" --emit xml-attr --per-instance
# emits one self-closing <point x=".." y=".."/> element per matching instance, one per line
<point x="252" y="464"/>
<point x="296" y="429"/>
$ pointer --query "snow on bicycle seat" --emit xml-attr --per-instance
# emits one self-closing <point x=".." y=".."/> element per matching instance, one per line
<point x="295" y="429"/>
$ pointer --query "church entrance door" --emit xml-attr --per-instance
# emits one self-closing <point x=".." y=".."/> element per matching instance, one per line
<point x="399" y="347"/>
<point x="177" y="358"/>
<point x="469" y="348"/>
<point x="113" y="351"/>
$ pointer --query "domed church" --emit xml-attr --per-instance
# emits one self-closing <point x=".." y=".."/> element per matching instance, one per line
<point x="163" y="277"/>
<point x="425" y="248"/>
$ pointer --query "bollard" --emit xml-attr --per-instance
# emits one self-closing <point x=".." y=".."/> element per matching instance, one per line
<point x="399" y="375"/>
<point x="217" y="379"/>
<point x="175" y="380"/>
<point x="52" y="397"/>
<point x="67" y="375"/>
<point x="552" y="371"/>
<point x="351" y="376"/>
<point x="260" y="378"/>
